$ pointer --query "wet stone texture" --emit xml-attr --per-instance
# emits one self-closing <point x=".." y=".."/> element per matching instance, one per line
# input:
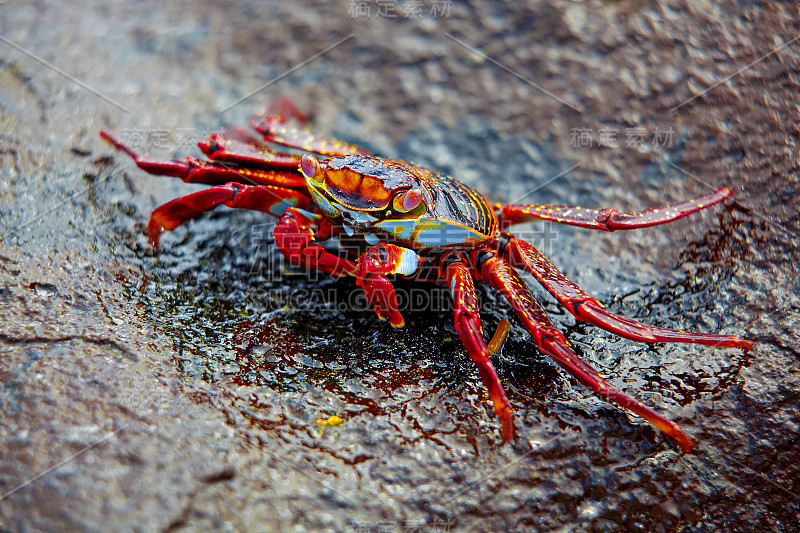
<point x="180" y="390"/>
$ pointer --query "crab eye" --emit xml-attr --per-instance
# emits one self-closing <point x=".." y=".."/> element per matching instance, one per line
<point x="407" y="200"/>
<point x="311" y="168"/>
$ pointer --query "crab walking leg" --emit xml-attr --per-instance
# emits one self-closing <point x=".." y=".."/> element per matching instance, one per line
<point x="194" y="170"/>
<point x="272" y="200"/>
<point x="295" y="237"/>
<point x="373" y="266"/>
<point x="223" y="148"/>
<point x="610" y="219"/>
<point x="283" y="109"/>
<point x="275" y="131"/>
<point x="524" y="255"/>
<point x="503" y="277"/>
<point x="468" y="326"/>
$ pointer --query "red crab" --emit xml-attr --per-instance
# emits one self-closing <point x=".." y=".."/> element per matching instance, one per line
<point x="413" y="222"/>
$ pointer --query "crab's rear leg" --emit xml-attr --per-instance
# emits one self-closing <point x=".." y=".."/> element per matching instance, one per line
<point x="552" y="342"/>
<point x="272" y="200"/>
<point x="233" y="147"/>
<point x="468" y="326"/>
<point x="610" y="219"/>
<point x="275" y="130"/>
<point x="272" y="125"/>
<point x="283" y="109"/>
<point x="524" y="255"/>
<point x="194" y="170"/>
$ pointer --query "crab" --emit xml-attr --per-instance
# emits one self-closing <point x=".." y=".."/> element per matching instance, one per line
<point x="400" y="219"/>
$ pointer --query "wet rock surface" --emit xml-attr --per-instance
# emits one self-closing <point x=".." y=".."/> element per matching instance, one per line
<point x="181" y="389"/>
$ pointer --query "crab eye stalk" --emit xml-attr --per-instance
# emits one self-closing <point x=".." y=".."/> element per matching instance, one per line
<point x="311" y="168"/>
<point x="407" y="200"/>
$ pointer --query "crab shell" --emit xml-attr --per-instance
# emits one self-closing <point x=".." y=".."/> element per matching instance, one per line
<point x="398" y="201"/>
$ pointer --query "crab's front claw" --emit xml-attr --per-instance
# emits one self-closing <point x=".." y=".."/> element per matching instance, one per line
<point x="373" y="266"/>
<point x="381" y="295"/>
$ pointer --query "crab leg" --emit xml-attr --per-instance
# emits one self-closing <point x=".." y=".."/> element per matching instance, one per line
<point x="468" y="326"/>
<point x="194" y="170"/>
<point x="283" y="109"/>
<point x="272" y="125"/>
<point x="295" y="237"/>
<point x="503" y="277"/>
<point x="274" y="130"/>
<point x="272" y="200"/>
<point x="610" y="219"/>
<point x="524" y="255"/>
<point x="223" y="148"/>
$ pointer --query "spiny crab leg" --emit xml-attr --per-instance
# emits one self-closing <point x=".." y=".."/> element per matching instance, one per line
<point x="468" y="326"/>
<point x="522" y="254"/>
<point x="610" y="219"/>
<point x="283" y="109"/>
<point x="551" y="341"/>
<point x="275" y="131"/>
<point x="273" y="200"/>
<point x="223" y="148"/>
<point x="194" y="170"/>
